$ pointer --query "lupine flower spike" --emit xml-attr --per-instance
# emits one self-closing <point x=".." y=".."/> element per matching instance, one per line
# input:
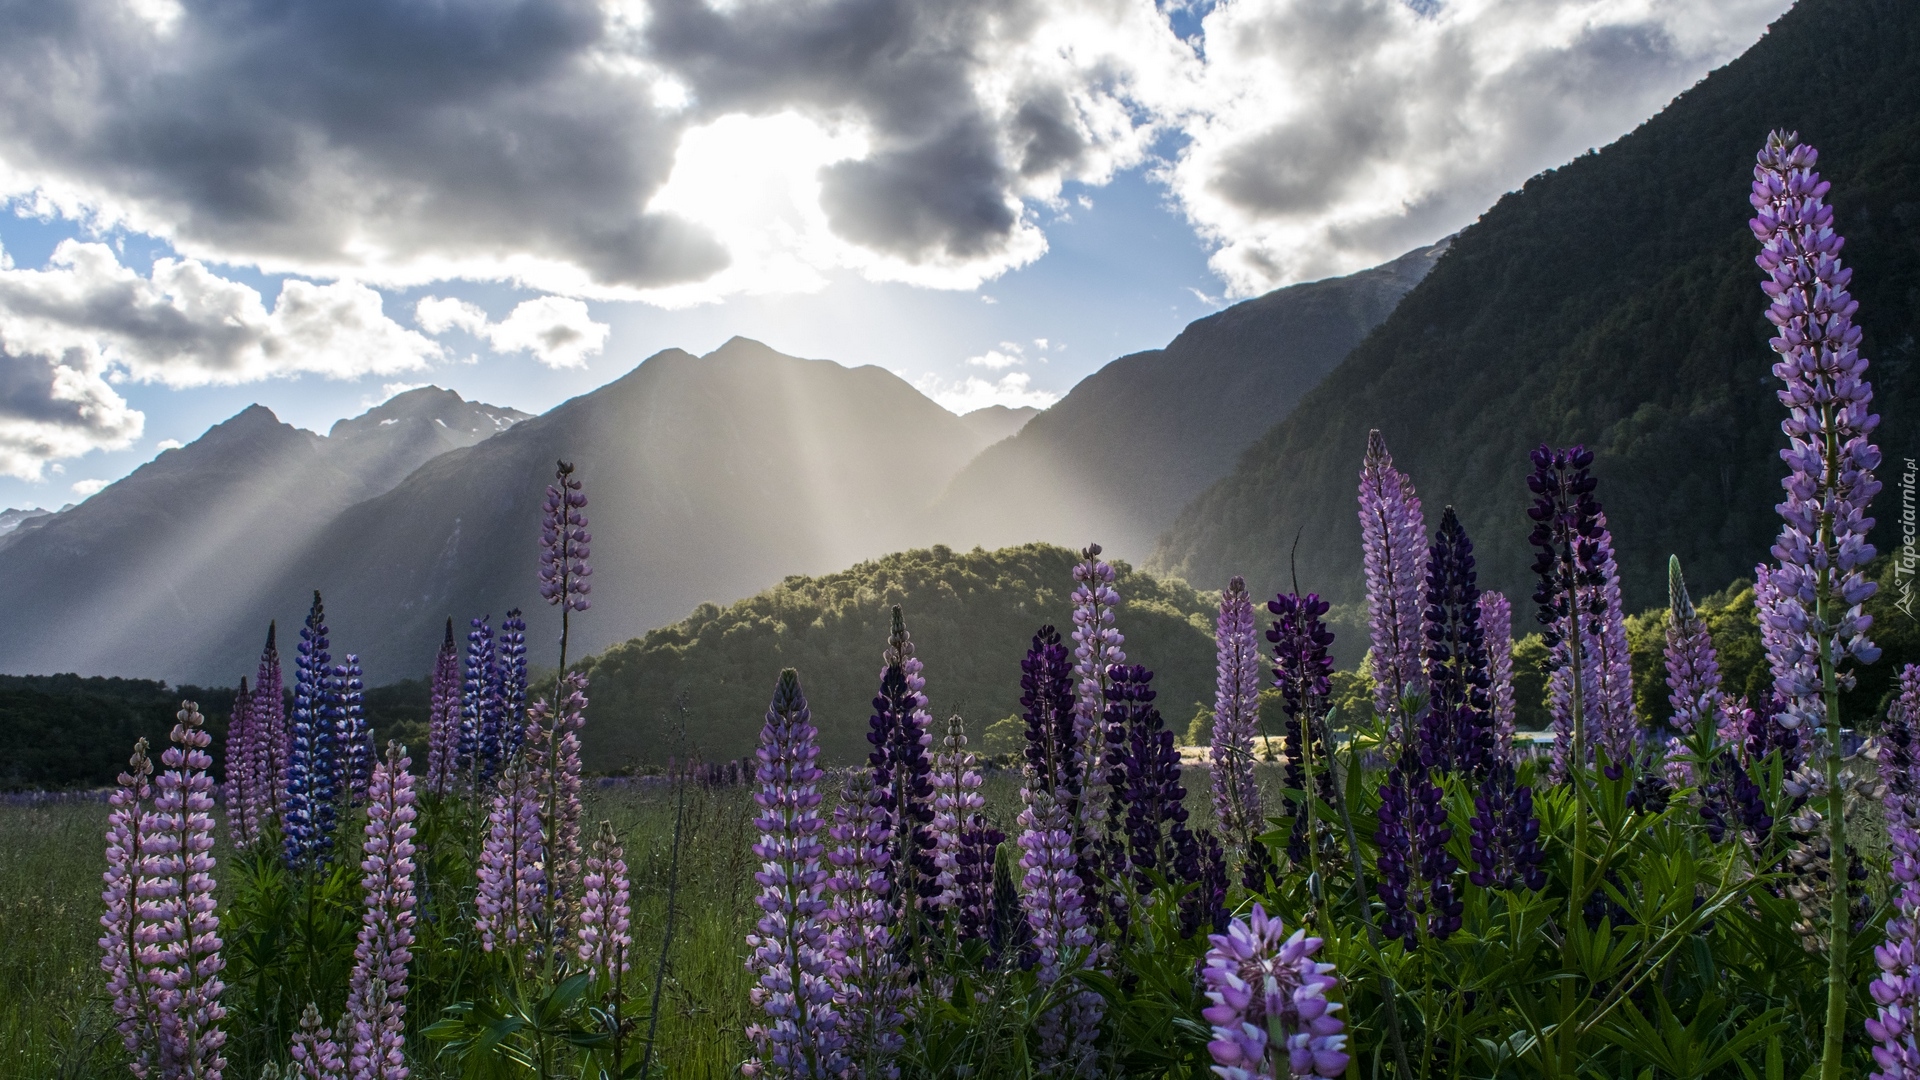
<point x="180" y="947"/>
<point x="800" y="1037"/>
<point x="443" y="722"/>
<point x="352" y="737"/>
<point x="1054" y="899"/>
<point x="606" y="934"/>
<point x="377" y="993"/>
<point x="243" y="736"/>
<point x="1393" y="550"/>
<point x="958" y="807"/>
<point x="1566" y="532"/>
<point x="1236" y="715"/>
<point x="1270" y="1008"/>
<point x="552" y="756"/>
<point x="480" y="747"/>
<point x="1096" y="647"/>
<point x="1457" y="728"/>
<point x="1496" y="625"/>
<point x="307" y="831"/>
<point x="903" y="772"/>
<point x="564" y="547"/>
<point x="270" y="719"/>
<point x="869" y="987"/>
<point x="316" y="1053"/>
<point x="512" y="866"/>
<point x="1302" y="671"/>
<point x="1896" y="990"/>
<point x="120" y="946"/>
<point x="511" y="653"/>
<point x="1693" y="677"/>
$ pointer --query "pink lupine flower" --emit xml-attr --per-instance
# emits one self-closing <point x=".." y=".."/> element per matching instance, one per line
<point x="180" y="941"/>
<point x="1393" y="539"/>
<point x="869" y="988"/>
<point x="316" y="1053"/>
<point x="512" y="866"/>
<point x="120" y="957"/>
<point x="376" y="1001"/>
<point x="605" y="911"/>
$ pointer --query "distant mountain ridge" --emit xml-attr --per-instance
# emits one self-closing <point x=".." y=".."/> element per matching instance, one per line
<point x="1613" y="302"/>
<point x="1131" y="444"/>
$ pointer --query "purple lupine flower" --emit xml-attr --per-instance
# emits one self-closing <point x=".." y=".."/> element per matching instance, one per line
<point x="1896" y="990"/>
<point x="1055" y="763"/>
<point x="1456" y="733"/>
<point x="976" y="858"/>
<point x="956" y="803"/>
<point x="903" y="773"/>
<point x="377" y="993"/>
<point x="120" y="953"/>
<point x="1303" y="672"/>
<point x="1055" y="899"/>
<point x="1270" y="1005"/>
<point x="1730" y="797"/>
<point x="606" y="910"/>
<point x="1393" y="546"/>
<point x="316" y="1053"/>
<point x="443" y="719"/>
<point x="307" y="830"/>
<point x="1393" y="836"/>
<point x="1615" y="722"/>
<point x="1506" y="837"/>
<point x="512" y="870"/>
<point x="790" y="959"/>
<point x="270" y="717"/>
<point x="480" y="748"/>
<point x="1566" y="534"/>
<point x="511" y="649"/>
<point x="1096" y="648"/>
<point x="870" y="990"/>
<point x="352" y="736"/>
<point x="1236" y="713"/>
<point x="552" y="752"/>
<point x="1823" y="541"/>
<point x="1496" y="626"/>
<point x="243" y="815"/>
<point x="1416" y="869"/>
<point x="180" y="945"/>
<point x="1144" y="780"/>
<point x="1898" y="750"/>
<point x="564" y="547"/>
<point x="1693" y="668"/>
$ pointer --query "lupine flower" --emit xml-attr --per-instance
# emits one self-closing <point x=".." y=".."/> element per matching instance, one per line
<point x="801" y="1036"/>
<point x="1393" y="836"/>
<point x="1054" y="899"/>
<point x="869" y="987"/>
<point x="1763" y="731"/>
<point x="1096" y="648"/>
<point x="243" y="815"/>
<point x="308" y="826"/>
<point x="1896" y="990"/>
<point x="564" y="546"/>
<point x="1615" y="723"/>
<point x="1144" y="781"/>
<point x="443" y="719"/>
<point x="270" y="717"/>
<point x="1236" y="713"/>
<point x="316" y="1053"/>
<point x="1693" y="667"/>
<point x="552" y="753"/>
<point x="1303" y="671"/>
<point x="956" y="802"/>
<point x="975" y="861"/>
<point x="120" y="952"/>
<point x="1054" y="760"/>
<point x="480" y="745"/>
<point x="1730" y="797"/>
<point x="1569" y="531"/>
<point x="1496" y="626"/>
<point x="377" y="991"/>
<point x="352" y="737"/>
<point x="512" y="659"/>
<point x="1270" y="1006"/>
<point x="512" y="870"/>
<point x="180" y="943"/>
<point x="1416" y="869"/>
<point x="1898" y="751"/>
<point x="1457" y="729"/>
<point x="1823" y="542"/>
<point x="1393" y="548"/>
<point x="606" y="932"/>
<point x="902" y="771"/>
<point x="1506" y="838"/>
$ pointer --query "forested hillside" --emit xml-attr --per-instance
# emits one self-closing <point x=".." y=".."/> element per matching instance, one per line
<point x="1613" y="302"/>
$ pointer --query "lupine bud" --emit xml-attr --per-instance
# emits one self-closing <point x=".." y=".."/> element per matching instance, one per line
<point x="316" y="1053"/>
<point x="1270" y="1006"/>
<point x="1393" y="549"/>
<point x="270" y="718"/>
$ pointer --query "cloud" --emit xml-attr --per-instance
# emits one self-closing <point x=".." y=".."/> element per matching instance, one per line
<point x="558" y="331"/>
<point x="972" y="392"/>
<point x="84" y="488"/>
<point x="998" y="360"/>
<point x="62" y="407"/>
<point x="168" y="444"/>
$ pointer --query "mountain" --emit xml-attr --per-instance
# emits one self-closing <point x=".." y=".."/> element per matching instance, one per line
<point x="710" y="476"/>
<point x="143" y="576"/>
<point x="11" y="519"/>
<point x="971" y="616"/>
<point x="1117" y="458"/>
<point x="1613" y="302"/>
<point x="996" y="422"/>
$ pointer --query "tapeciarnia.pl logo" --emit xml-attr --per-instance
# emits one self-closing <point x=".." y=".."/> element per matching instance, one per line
<point x="1909" y="560"/>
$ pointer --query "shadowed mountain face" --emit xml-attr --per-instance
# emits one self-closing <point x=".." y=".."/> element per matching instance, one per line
<point x="1117" y="458"/>
<point x="144" y="575"/>
<point x="1614" y="302"/>
<point x="996" y="422"/>
<point x="709" y="476"/>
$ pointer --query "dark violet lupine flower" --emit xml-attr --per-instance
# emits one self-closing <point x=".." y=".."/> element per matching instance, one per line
<point x="1054" y="899"/>
<point x="1303" y="671"/>
<point x="512" y="658"/>
<point x="1393" y="547"/>
<point x="1730" y="797"/>
<point x="128" y="864"/>
<point x="1143" y="780"/>
<point x="308" y="826"/>
<point x="1416" y="870"/>
<point x="1496" y="626"/>
<point x="903" y="773"/>
<point x="377" y="991"/>
<point x="352" y="736"/>
<point x="1270" y="1006"/>
<point x="1896" y="990"/>
<point x="270" y="717"/>
<point x="180" y="941"/>
<point x="480" y="746"/>
<point x="1616" y="724"/>
<point x="512" y="870"/>
<point x="443" y="719"/>
<point x="243" y="814"/>
<point x="552" y="756"/>
<point x="1236" y="715"/>
<point x="1823" y="542"/>
<point x="870" y="990"/>
<point x="1096" y="648"/>
<point x="564" y="547"/>
<point x="801" y="1038"/>
<point x="1506" y="837"/>
<point x="606" y="909"/>
<point x="1456" y="732"/>
<point x="1054" y="761"/>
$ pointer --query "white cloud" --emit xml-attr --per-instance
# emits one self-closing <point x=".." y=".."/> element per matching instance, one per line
<point x="168" y="444"/>
<point x="84" y="488"/>
<point x="972" y="392"/>
<point x="557" y="330"/>
<point x="996" y="360"/>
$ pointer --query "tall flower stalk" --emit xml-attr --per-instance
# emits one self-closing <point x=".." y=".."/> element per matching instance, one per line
<point x="1054" y="898"/>
<point x="180" y="944"/>
<point x="1236" y="715"/>
<point x="1096" y="648"/>
<point x="870" y="992"/>
<point x="564" y="547"/>
<point x="790" y="959"/>
<point x="903" y="774"/>
<point x="121" y="956"/>
<point x="1303" y="673"/>
<point x="1693" y="681"/>
<point x="606" y="909"/>
<point x="242" y="782"/>
<point x="957" y="804"/>
<point x="1457" y="729"/>
<point x="1896" y="990"/>
<point x="1393" y="550"/>
<point x="307" y="831"/>
<point x="1496" y="627"/>
<point x="270" y="719"/>
<point x="511" y="657"/>
<point x="512" y="869"/>
<point x="443" y="719"/>
<point x="552" y="754"/>
<point x="1830" y="459"/>
<point x="377" y="991"/>
<point x="480" y="748"/>
<point x="352" y="736"/>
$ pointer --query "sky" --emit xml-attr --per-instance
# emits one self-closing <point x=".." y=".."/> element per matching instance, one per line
<point x="206" y="204"/>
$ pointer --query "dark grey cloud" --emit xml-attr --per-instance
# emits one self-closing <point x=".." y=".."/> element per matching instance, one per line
<point x="57" y="407"/>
